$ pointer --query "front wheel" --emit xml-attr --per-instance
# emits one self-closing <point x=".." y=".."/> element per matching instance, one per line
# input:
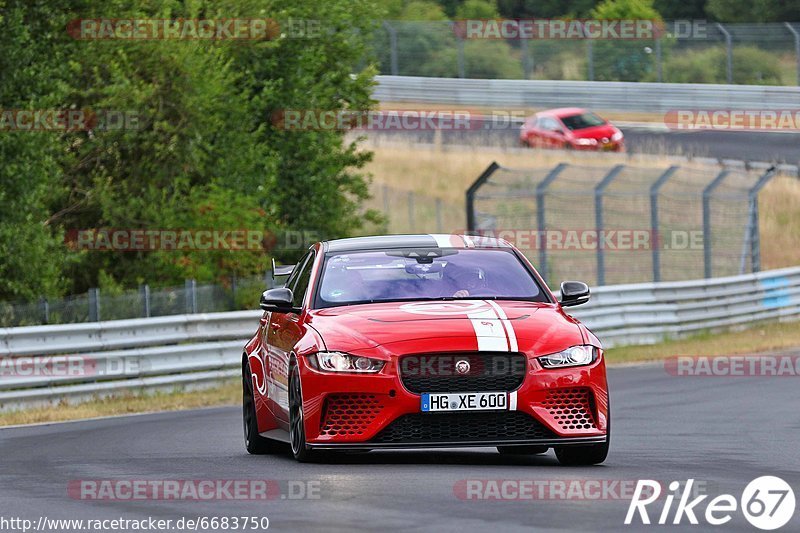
<point x="255" y="443"/>
<point x="297" y="430"/>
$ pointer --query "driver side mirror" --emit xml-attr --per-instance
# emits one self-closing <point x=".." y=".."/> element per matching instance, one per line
<point x="280" y="300"/>
<point x="574" y="293"/>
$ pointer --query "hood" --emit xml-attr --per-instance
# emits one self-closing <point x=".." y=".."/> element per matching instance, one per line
<point x="595" y="132"/>
<point x="463" y="325"/>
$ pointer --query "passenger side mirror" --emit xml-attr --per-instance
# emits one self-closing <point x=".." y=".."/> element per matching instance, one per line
<point x="280" y="300"/>
<point x="574" y="293"/>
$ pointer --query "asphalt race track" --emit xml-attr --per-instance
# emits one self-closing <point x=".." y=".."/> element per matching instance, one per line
<point x="723" y="432"/>
<point x="740" y="145"/>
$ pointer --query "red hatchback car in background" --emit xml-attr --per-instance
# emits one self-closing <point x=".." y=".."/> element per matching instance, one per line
<point x="571" y="128"/>
<point x="420" y="341"/>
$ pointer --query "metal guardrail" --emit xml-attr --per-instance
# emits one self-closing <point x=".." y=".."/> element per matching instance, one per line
<point x="195" y="350"/>
<point x="601" y="95"/>
<point x="652" y="312"/>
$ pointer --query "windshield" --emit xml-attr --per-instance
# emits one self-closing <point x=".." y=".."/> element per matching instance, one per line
<point x="391" y="275"/>
<point x="582" y="120"/>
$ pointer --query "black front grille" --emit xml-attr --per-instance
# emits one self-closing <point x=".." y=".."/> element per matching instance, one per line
<point x="420" y="428"/>
<point x="439" y="372"/>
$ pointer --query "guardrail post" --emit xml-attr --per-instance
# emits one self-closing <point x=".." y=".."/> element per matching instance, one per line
<point x="144" y="295"/>
<point x="707" y="220"/>
<point x="655" y="232"/>
<point x="729" y="49"/>
<point x="393" y="68"/>
<point x="473" y="189"/>
<point x="94" y="305"/>
<point x="599" y="190"/>
<point x="752" y="200"/>
<point x="796" y="36"/>
<point x="191" y="296"/>
<point x="541" y="220"/>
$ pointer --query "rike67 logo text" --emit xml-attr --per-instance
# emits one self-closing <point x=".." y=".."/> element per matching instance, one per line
<point x="767" y="502"/>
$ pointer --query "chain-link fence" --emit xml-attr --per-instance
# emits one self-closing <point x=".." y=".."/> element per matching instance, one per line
<point x="623" y="224"/>
<point x="679" y="52"/>
<point x="238" y="293"/>
<point x="407" y="211"/>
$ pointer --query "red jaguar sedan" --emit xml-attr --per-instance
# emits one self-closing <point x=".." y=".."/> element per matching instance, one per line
<point x="571" y="128"/>
<point x="423" y="341"/>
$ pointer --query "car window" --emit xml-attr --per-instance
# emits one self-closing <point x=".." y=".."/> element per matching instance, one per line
<point x="301" y="282"/>
<point x="550" y="125"/>
<point x="395" y="275"/>
<point x="582" y="120"/>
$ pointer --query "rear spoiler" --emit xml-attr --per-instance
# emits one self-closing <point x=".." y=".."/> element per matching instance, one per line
<point x="281" y="270"/>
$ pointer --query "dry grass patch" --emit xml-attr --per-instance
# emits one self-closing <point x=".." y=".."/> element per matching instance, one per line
<point x="227" y="393"/>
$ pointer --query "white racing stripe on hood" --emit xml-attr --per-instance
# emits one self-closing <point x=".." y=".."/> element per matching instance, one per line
<point x="489" y="331"/>
<point x="509" y="327"/>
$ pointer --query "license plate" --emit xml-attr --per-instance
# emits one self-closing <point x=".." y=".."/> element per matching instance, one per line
<point x="467" y="401"/>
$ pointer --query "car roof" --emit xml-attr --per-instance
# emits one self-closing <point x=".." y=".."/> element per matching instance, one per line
<point x="562" y="111"/>
<point x="432" y="240"/>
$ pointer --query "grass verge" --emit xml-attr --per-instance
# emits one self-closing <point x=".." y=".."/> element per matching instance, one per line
<point x="755" y="340"/>
<point x="227" y="393"/>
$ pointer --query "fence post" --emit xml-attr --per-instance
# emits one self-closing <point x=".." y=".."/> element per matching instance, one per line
<point x="752" y="200"/>
<point x="659" y="63"/>
<point x="526" y="65"/>
<point x="144" y="294"/>
<point x="191" y="296"/>
<point x="462" y="69"/>
<point x="94" y="305"/>
<point x="439" y="224"/>
<point x="729" y="48"/>
<point x="599" y="190"/>
<point x="44" y="307"/>
<point x="541" y="220"/>
<point x="234" y="286"/>
<point x="590" y="59"/>
<point x="392" y="48"/>
<point x="473" y="189"/>
<point x="796" y="36"/>
<point x="707" y="221"/>
<point x="655" y="232"/>
<point x="411" y="224"/>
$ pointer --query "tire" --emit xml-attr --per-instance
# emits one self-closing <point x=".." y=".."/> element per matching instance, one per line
<point x="522" y="450"/>
<point x="592" y="454"/>
<point x="297" y="431"/>
<point x="253" y="442"/>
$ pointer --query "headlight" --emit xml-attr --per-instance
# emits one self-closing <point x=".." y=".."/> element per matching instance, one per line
<point x="617" y="136"/>
<point x="574" y="356"/>
<point x="344" y="362"/>
<point x="586" y="142"/>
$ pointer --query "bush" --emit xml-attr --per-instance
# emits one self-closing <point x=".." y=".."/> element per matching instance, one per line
<point x="751" y="66"/>
<point x="484" y="59"/>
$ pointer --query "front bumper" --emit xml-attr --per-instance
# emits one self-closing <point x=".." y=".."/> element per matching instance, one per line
<point x="552" y="407"/>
